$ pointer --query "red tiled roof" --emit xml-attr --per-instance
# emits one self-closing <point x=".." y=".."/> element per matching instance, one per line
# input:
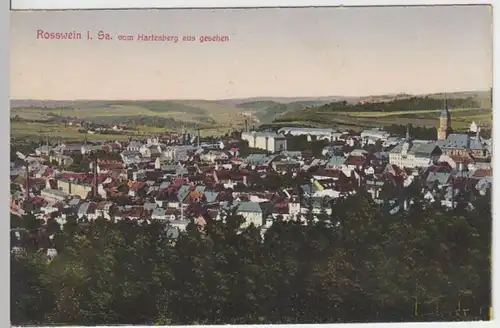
<point x="336" y="174"/>
<point x="170" y="211"/>
<point x="153" y="175"/>
<point x="481" y="173"/>
<point x="53" y="183"/>
<point x="58" y="205"/>
<point x="135" y="212"/>
<point x="103" y="204"/>
<point x="72" y="175"/>
<point x="38" y="201"/>
<point x="48" y="172"/>
<point x="136" y="185"/>
<point x="91" y="208"/>
<point x="213" y="213"/>
<point x="179" y="181"/>
<point x="89" y="178"/>
<point x="206" y="168"/>
<point x="37" y="182"/>
<point x="462" y="159"/>
<point x="355" y="160"/>
<point x="111" y="166"/>
<point x="280" y="208"/>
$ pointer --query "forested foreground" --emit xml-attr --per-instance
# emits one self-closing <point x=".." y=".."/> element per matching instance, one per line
<point x="424" y="265"/>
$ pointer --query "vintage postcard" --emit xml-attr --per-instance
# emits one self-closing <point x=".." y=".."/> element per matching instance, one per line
<point x="251" y="166"/>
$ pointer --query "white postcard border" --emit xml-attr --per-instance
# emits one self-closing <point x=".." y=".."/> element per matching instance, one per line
<point x="4" y="165"/>
<point x="136" y="4"/>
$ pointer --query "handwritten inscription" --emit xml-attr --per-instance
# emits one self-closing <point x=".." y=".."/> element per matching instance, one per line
<point x="138" y="37"/>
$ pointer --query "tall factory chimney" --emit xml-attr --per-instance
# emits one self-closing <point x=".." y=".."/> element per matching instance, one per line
<point x="93" y="166"/>
<point x="198" y="132"/>
<point x="27" y="182"/>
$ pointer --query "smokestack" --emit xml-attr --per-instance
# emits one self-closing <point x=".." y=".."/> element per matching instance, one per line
<point x="407" y="131"/>
<point x="246" y="125"/>
<point x="94" y="179"/>
<point x="27" y="182"/>
<point x="198" y="130"/>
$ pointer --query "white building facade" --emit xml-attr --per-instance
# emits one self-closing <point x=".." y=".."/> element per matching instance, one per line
<point x="272" y="142"/>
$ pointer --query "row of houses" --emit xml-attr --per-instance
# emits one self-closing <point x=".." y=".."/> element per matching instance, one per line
<point x="178" y="183"/>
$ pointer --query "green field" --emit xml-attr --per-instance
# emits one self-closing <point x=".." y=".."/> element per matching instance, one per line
<point x="57" y="131"/>
<point x="198" y="111"/>
<point x="35" y="131"/>
<point x="220" y="116"/>
<point x="461" y="119"/>
<point x="429" y="112"/>
<point x="213" y="116"/>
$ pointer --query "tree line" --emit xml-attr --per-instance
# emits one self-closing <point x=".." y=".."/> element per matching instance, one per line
<point x="416" y="132"/>
<point x="412" y="103"/>
<point x="358" y="265"/>
<point x="425" y="133"/>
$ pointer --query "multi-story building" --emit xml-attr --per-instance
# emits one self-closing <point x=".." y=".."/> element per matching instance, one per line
<point x="80" y="189"/>
<point x="410" y="154"/>
<point x="270" y="141"/>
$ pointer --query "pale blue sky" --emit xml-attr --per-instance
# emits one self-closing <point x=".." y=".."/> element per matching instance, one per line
<point x="271" y="52"/>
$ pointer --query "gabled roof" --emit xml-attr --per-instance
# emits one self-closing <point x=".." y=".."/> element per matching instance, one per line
<point x="74" y="202"/>
<point x="417" y="149"/>
<point x="480" y="173"/>
<point x="91" y="208"/>
<point x="439" y="177"/>
<point x="183" y="192"/>
<point x="484" y="183"/>
<point x="291" y="154"/>
<point x="308" y="189"/>
<point x="210" y="196"/>
<point x="249" y="207"/>
<point x="83" y="208"/>
<point x="158" y="212"/>
<point x="336" y="160"/>
<point x="102" y="205"/>
<point x="200" y="188"/>
<point x="256" y="159"/>
<point x="423" y="150"/>
<point x="355" y="160"/>
<point x="149" y="206"/>
<point x="455" y="140"/>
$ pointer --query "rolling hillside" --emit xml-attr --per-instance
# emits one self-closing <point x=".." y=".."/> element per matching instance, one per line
<point x="233" y="112"/>
<point x="218" y="112"/>
<point x="381" y="111"/>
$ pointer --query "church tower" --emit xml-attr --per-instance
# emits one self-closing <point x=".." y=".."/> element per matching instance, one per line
<point x="444" y="122"/>
<point x="408" y="143"/>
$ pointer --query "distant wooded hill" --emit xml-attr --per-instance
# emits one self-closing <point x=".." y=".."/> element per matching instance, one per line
<point x="234" y="111"/>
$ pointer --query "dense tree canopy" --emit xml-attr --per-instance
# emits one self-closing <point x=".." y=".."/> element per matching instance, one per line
<point x="425" y="264"/>
<point x="412" y="103"/>
<point x="417" y="132"/>
<point x="244" y="149"/>
<point x="301" y="143"/>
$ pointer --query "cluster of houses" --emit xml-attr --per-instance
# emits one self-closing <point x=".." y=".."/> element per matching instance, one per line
<point x="177" y="182"/>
